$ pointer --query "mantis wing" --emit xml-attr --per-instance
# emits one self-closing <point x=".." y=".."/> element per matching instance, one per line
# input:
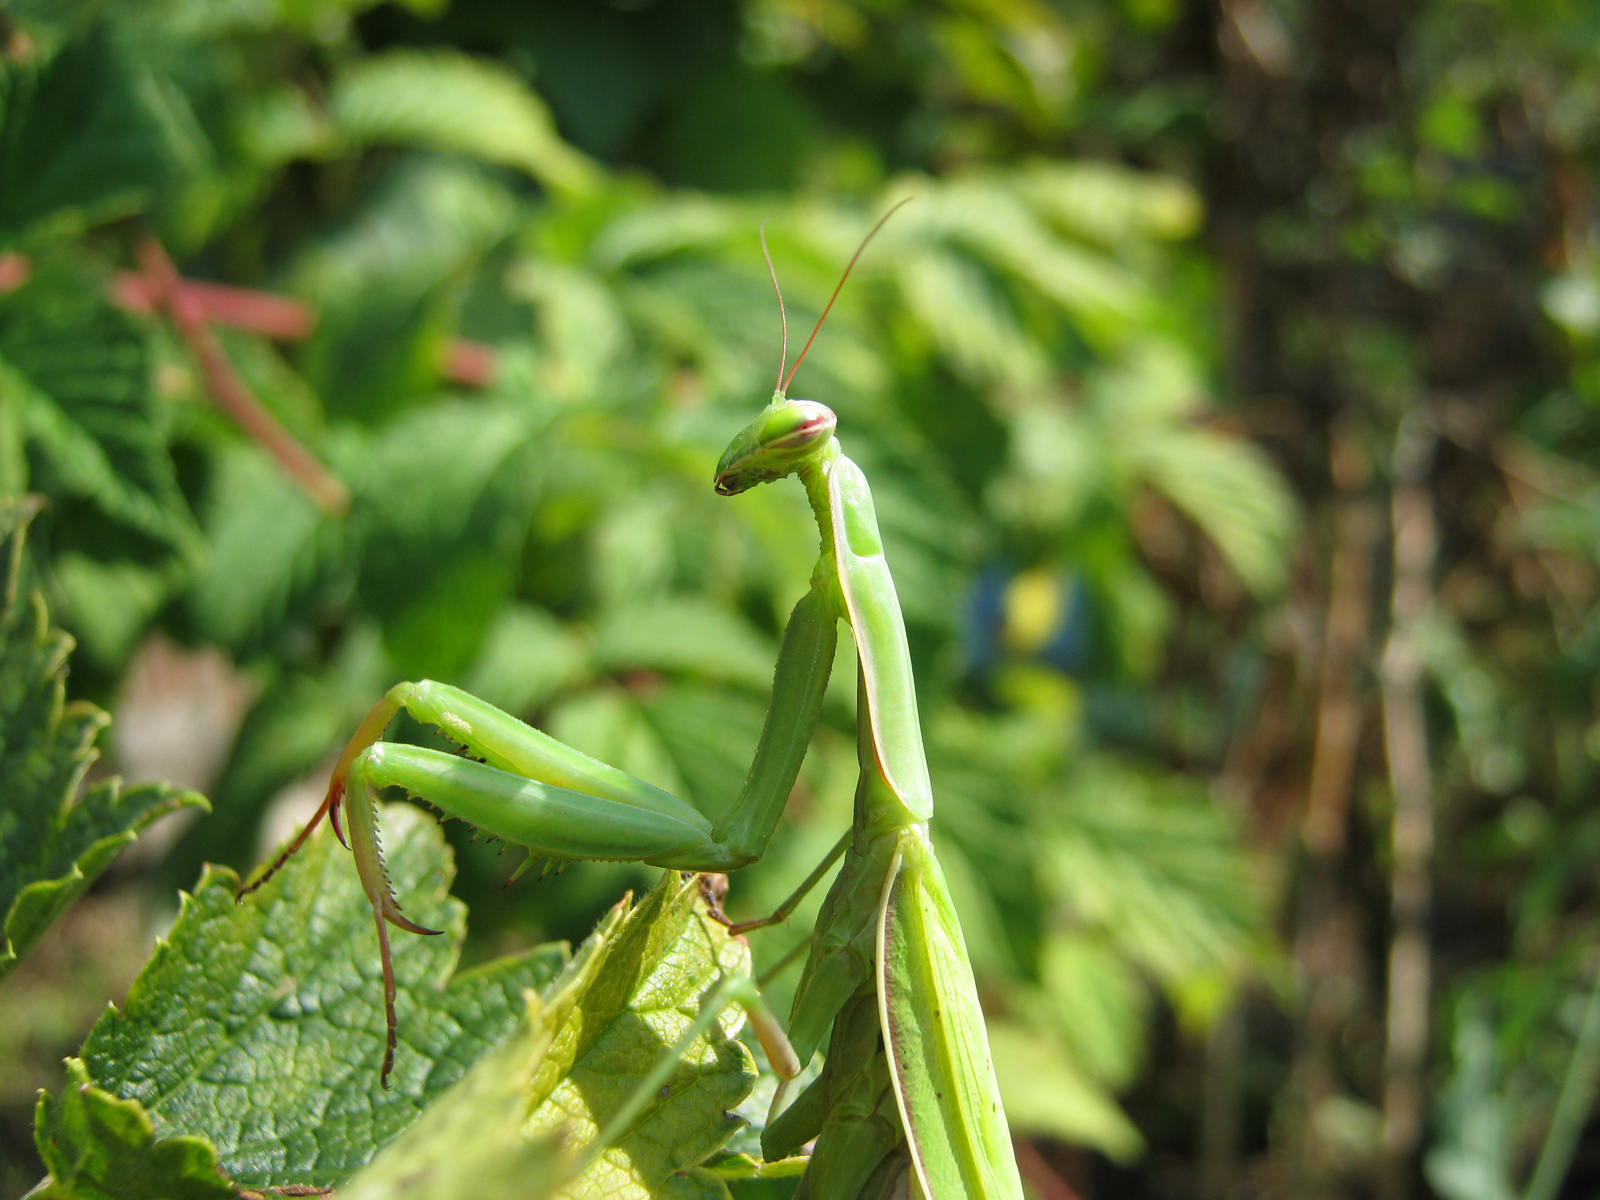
<point x="933" y="1033"/>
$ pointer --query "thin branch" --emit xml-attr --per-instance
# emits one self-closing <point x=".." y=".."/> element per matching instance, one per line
<point x="229" y="391"/>
<point x="1411" y="780"/>
<point x="281" y="318"/>
<point x="1358" y="525"/>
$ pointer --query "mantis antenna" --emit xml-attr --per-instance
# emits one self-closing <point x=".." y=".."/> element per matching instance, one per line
<point x="838" y="287"/>
<point x="783" y="317"/>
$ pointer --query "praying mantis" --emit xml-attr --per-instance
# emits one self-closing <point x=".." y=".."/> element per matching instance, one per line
<point x="907" y="1099"/>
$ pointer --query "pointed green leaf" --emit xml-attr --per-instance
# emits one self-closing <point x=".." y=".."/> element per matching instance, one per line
<point x="470" y="1145"/>
<point x="77" y="372"/>
<point x="625" y="1000"/>
<point x="665" y="955"/>
<point x="259" y="1024"/>
<point x="77" y="138"/>
<point x="52" y="842"/>
<point x="1161" y="867"/>
<point x="1047" y="1093"/>
<point x="97" y="1147"/>
<point x="445" y="100"/>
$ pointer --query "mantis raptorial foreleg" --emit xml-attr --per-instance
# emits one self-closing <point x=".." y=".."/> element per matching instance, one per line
<point x="908" y="1091"/>
<point x="534" y="791"/>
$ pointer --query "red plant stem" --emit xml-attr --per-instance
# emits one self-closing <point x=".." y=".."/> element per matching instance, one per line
<point x="277" y="317"/>
<point x="14" y="271"/>
<point x="230" y="392"/>
<point x="281" y="318"/>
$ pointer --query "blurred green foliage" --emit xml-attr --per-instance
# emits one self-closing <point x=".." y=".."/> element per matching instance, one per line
<point x="1125" y="377"/>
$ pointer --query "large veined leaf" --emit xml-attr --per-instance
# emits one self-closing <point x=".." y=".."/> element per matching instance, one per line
<point x="662" y="960"/>
<point x="97" y="1147"/>
<point x="53" y="842"/>
<point x="627" y="998"/>
<point x="76" y="373"/>
<point x="77" y="139"/>
<point x="259" y="1025"/>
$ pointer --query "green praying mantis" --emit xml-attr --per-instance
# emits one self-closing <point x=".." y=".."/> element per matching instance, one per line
<point x="907" y="1097"/>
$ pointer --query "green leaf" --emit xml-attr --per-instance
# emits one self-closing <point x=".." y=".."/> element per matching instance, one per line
<point x="97" y="1147"/>
<point x="710" y="734"/>
<point x="470" y="1145"/>
<point x="527" y="656"/>
<point x="76" y="137"/>
<point x="78" y="372"/>
<point x="106" y="604"/>
<point x="269" y="545"/>
<point x="626" y="999"/>
<point x="445" y="100"/>
<point x="1233" y="493"/>
<point x="687" y="634"/>
<point x="1111" y="204"/>
<point x="1160" y="870"/>
<point x="1045" y="1092"/>
<point x="606" y="723"/>
<point x="968" y="318"/>
<point x="53" y="843"/>
<point x="259" y="1024"/>
<point x="663" y="957"/>
<point x="386" y="284"/>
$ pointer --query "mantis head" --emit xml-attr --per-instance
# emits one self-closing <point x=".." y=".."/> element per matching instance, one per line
<point x="788" y="433"/>
<point x="779" y="441"/>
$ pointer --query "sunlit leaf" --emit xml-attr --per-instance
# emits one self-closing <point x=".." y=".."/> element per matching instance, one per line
<point x="259" y="1025"/>
<point x="444" y="100"/>
<point x="53" y="841"/>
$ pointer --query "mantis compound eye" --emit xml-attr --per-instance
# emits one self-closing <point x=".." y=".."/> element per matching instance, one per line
<point x="795" y="426"/>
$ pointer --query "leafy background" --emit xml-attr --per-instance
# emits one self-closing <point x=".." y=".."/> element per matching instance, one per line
<point x="1198" y="302"/>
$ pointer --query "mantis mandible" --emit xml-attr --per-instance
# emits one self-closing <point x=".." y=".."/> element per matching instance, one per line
<point x="907" y="1087"/>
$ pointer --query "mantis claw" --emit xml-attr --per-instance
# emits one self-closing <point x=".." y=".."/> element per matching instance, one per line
<point x="392" y="913"/>
<point x="338" y="826"/>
